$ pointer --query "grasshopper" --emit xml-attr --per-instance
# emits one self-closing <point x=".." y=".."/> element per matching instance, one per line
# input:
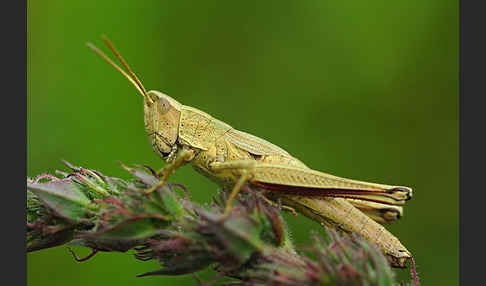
<point x="182" y="134"/>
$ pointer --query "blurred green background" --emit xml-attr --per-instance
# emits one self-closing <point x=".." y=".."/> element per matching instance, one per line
<point x="364" y="90"/>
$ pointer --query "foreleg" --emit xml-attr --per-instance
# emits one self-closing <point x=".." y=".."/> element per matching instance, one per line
<point x="182" y="158"/>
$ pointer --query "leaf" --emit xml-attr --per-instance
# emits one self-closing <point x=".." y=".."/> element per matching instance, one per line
<point x="171" y="202"/>
<point x="63" y="197"/>
<point x="144" y="177"/>
<point x="131" y="229"/>
<point x="183" y="266"/>
<point x="239" y="236"/>
<point x="58" y="238"/>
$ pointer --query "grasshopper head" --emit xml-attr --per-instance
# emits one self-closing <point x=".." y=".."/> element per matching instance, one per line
<point x="162" y="115"/>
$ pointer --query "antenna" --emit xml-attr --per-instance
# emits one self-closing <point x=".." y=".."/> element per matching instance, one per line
<point x="129" y="74"/>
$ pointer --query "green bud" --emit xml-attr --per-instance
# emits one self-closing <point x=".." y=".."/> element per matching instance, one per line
<point x="63" y="197"/>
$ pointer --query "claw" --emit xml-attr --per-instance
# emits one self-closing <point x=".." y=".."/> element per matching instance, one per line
<point x="155" y="187"/>
<point x="223" y="218"/>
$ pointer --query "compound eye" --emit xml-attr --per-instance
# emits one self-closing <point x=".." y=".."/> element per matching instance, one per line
<point x="163" y="105"/>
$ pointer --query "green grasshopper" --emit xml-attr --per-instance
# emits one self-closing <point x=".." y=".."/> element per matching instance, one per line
<point x="182" y="134"/>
